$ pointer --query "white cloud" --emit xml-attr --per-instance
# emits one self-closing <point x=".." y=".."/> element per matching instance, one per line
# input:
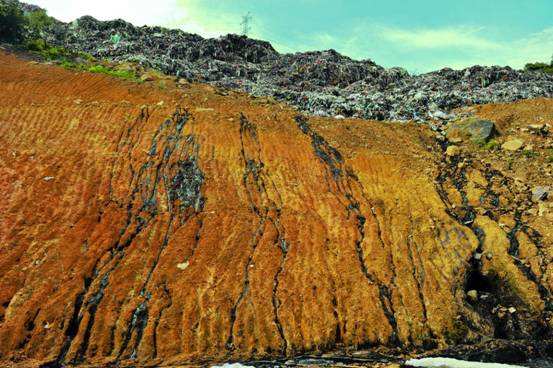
<point x="428" y="49"/>
<point x="471" y="46"/>
<point x="138" y="12"/>
<point x="468" y="37"/>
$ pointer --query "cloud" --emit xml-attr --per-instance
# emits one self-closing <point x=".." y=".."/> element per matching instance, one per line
<point x="138" y="12"/>
<point x="192" y="16"/>
<point x="462" y="36"/>
<point x="423" y="50"/>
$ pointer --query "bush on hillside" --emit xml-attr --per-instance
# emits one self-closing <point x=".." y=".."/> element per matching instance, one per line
<point x="12" y="21"/>
<point x="540" y="67"/>
<point x="37" y="21"/>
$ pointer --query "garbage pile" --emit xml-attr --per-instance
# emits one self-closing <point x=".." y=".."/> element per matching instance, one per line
<point x="322" y="83"/>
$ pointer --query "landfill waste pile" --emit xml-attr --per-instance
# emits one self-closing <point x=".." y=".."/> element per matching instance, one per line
<point x="323" y="83"/>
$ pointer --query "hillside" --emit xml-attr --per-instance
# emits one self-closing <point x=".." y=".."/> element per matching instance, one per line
<point x="188" y="224"/>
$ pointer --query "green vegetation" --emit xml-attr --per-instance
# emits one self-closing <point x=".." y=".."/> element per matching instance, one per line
<point x="47" y="51"/>
<point x="37" y="21"/>
<point x="76" y="61"/>
<point x="12" y="22"/>
<point x="25" y="31"/>
<point x="540" y="67"/>
<point x="491" y="145"/>
<point x="529" y="153"/>
<point x="16" y="26"/>
<point x="124" y="74"/>
<point x="55" y="53"/>
<point x="550" y="156"/>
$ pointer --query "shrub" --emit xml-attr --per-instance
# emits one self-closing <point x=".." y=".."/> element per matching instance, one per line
<point x="539" y="67"/>
<point x="37" y="21"/>
<point x="48" y="52"/>
<point x="12" y="21"/>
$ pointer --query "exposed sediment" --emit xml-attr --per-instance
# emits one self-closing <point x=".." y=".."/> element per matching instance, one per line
<point x="171" y="226"/>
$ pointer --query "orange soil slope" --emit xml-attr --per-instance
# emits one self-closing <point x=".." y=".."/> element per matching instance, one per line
<point x="149" y="225"/>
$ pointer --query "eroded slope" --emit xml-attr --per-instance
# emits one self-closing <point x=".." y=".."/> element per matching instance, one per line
<point x="147" y="225"/>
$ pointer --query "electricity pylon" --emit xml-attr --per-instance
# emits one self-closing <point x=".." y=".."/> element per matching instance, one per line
<point x="246" y="24"/>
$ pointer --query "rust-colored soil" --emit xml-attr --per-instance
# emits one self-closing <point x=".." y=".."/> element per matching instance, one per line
<point x="171" y="226"/>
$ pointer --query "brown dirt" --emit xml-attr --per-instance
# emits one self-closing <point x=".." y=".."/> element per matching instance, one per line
<point x="305" y="236"/>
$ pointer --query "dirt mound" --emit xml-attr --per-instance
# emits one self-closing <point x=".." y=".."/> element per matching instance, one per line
<point x="146" y="225"/>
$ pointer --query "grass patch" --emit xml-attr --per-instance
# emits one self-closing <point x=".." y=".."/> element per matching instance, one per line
<point x="491" y="145"/>
<point x="123" y="74"/>
<point x="78" y="61"/>
<point x="530" y="154"/>
<point x="550" y="156"/>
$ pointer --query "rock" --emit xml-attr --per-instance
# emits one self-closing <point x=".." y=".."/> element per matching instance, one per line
<point x="48" y="178"/>
<point x="440" y="115"/>
<point x="540" y="193"/>
<point x="183" y="266"/>
<point x="536" y="128"/>
<point x="513" y="145"/>
<point x="541" y="129"/>
<point x="473" y="295"/>
<point x="339" y="117"/>
<point x="148" y="77"/>
<point x="452" y="151"/>
<point x="476" y="130"/>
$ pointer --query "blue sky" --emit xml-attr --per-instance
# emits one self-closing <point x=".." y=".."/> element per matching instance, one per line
<point x="419" y="35"/>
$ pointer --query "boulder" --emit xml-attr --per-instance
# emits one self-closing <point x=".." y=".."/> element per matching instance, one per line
<point x="452" y="151"/>
<point x="477" y="130"/>
<point x="513" y="145"/>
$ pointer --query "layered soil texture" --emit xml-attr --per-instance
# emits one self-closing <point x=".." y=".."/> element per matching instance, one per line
<point x="143" y="225"/>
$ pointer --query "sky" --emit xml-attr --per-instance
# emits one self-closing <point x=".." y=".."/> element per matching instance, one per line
<point x="418" y="35"/>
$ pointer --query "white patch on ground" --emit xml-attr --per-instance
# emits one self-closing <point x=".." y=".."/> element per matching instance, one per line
<point x="453" y="363"/>
<point x="183" y="266"/>
<point x="232" y="365"/>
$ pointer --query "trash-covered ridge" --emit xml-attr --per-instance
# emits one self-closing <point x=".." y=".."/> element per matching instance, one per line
<point x="322" y="83"/>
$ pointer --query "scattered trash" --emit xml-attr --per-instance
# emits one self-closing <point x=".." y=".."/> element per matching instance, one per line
<point x="473" y="295"/>
<point x="453" y="363"/>
<point x="540" y="193"/>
